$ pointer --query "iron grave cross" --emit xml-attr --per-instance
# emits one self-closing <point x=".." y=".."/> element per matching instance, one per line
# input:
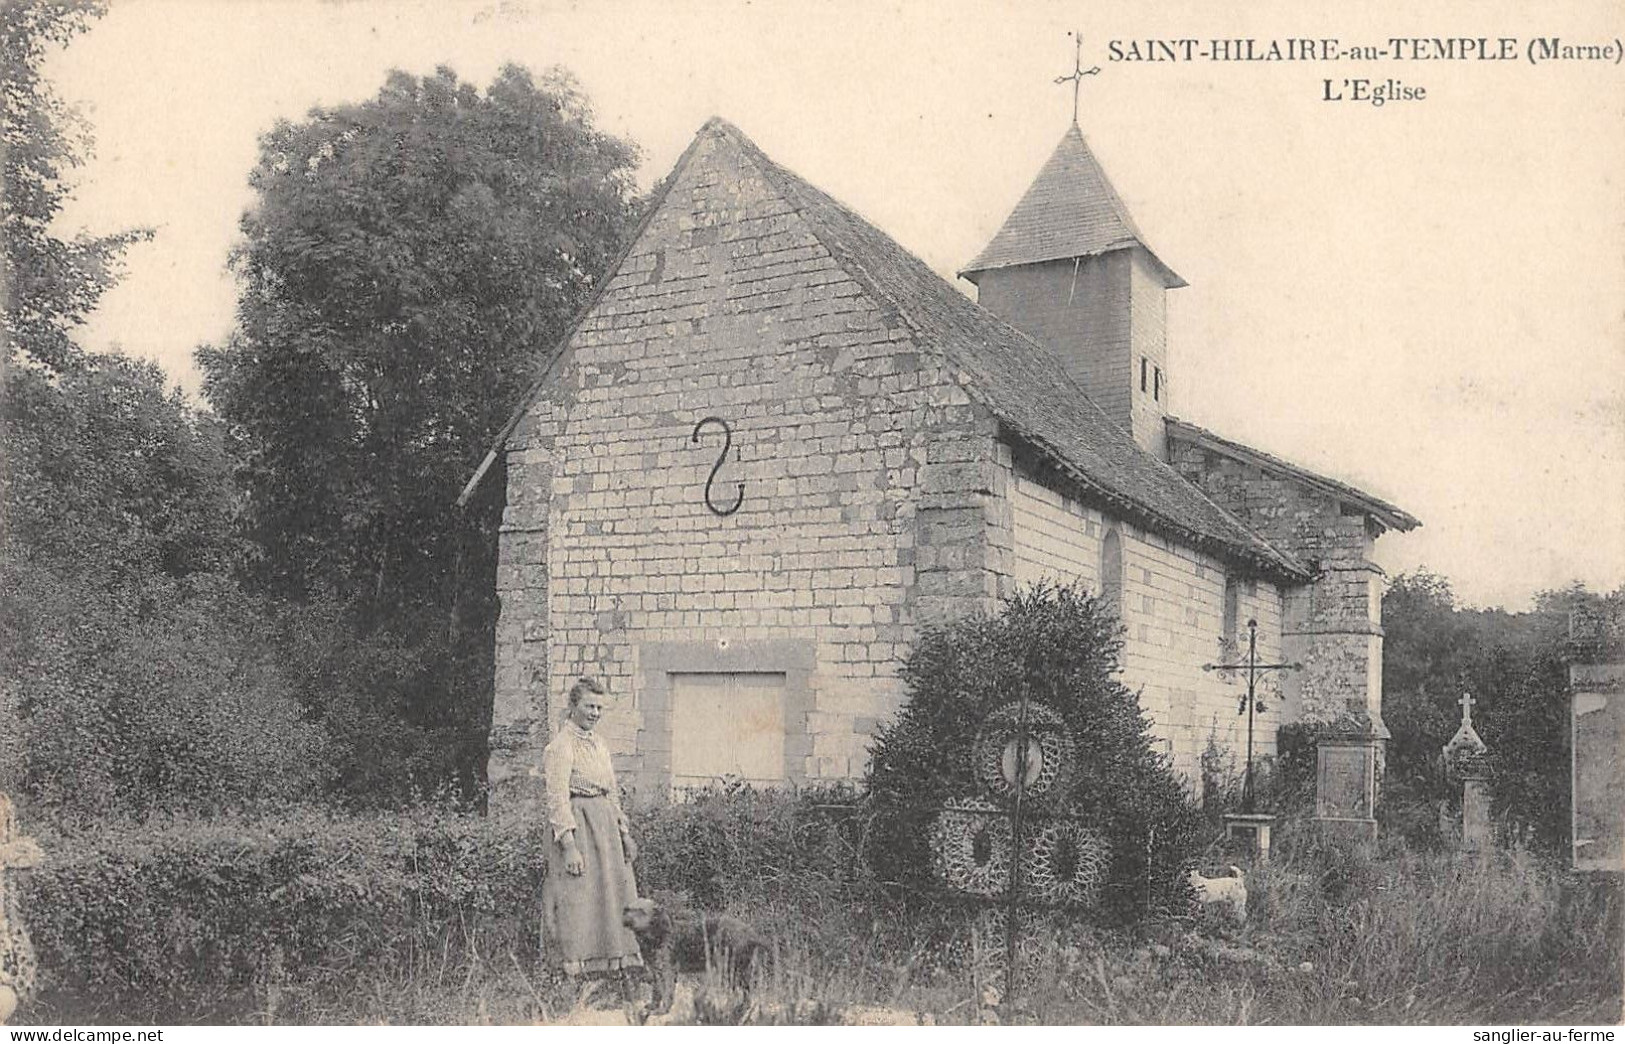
<point x="1249" y="702"/>
<point x="1078" y="72"/>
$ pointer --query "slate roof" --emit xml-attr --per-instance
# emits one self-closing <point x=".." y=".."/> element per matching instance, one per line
<point x="1019" y="380"/>
<point x="1381" y="510"/>
<point x="1070" y="210"/>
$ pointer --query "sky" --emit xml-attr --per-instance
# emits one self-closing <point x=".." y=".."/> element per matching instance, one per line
<point x="1424" y="298"/>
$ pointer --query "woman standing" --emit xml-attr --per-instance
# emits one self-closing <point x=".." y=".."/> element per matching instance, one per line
<point x="589" y="867"/>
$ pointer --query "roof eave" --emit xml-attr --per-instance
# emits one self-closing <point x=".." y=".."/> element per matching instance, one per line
<point x="1170" y="279"/>
<point x="1267" y="561"/>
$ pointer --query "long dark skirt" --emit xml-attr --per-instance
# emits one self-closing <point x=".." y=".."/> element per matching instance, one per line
<point x="583" y="914"/>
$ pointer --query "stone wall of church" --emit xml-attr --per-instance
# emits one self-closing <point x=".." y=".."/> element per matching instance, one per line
<point x="1333" y="626"/>
<point x="861" y="505"/>
<point x="1172" y="604"/>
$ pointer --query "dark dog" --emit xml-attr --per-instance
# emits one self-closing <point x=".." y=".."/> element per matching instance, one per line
<point x="672" y="942"/>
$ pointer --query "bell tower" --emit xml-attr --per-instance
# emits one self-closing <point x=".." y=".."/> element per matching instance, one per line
<point x="1070" y="270"/>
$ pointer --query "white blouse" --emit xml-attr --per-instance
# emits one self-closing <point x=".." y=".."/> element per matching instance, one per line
<point x="576" y="762"/>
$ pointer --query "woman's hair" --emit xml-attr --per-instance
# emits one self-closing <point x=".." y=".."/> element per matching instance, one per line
<point x="583" y="686"/>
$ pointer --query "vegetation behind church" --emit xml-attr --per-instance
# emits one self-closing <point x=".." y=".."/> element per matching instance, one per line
<point x="1515" y="666"/>
<point x="275" y="599"/>
<point x="135" y="671"/>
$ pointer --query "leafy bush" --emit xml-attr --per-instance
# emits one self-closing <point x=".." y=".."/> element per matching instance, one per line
<point x="791" y="864"/>
<point x="734" y="844"/>
<point x="1061" y="647"/>
<point x="178" y="916"/>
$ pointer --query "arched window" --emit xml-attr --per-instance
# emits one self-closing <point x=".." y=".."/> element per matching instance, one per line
<point x="1111" y="566"/>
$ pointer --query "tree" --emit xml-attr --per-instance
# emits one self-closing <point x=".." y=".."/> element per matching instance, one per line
<point x="49" y="284"/>
<point x="406" y="265"/>
<point x="135" y="675"/>
<point x="1428" y="653"/>
<point x="139" y="676"/>
<point x="1062" y="648"/>
<point x="1515" y="665"/>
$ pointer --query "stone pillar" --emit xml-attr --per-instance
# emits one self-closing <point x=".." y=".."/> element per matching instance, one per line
<point x="521" y="710"/>
<point x="17" y="852"/>
<point x="1334" y="627"/>
<point x="962" y="522"/>
<point x="1596" y="655"/>
<point x="1597" y="768"/>
<point x="1466" y="759"/>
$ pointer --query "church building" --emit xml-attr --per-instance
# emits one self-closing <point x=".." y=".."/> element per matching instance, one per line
<point x="776" y="445"/>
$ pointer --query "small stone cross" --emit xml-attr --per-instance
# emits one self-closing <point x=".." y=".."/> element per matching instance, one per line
<point x="1078" y="72"/>
<point x="1467" y="702"/>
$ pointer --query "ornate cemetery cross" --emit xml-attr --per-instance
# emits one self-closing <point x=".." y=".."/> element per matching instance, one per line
<point x="1249" y="702"/>
<point x="1078" y="72"/>
<point x="1019" y="846"/>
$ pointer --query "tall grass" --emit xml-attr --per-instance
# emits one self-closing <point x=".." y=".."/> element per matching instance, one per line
<point x="1335" y="934"/>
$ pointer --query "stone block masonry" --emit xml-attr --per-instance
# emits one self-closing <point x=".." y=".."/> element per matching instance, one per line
<point x="866" y="481"/>
<point x="1334" y="625"/>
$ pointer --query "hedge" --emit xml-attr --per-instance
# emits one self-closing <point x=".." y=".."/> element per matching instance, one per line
<point x="167" y="916"/>
<point x="173" y="908"/>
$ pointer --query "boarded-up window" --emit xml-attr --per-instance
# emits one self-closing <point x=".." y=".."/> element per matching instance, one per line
<point x="1232" y="609"/>
<point x="727" y="725"/>
<point x="1111" y="566"/>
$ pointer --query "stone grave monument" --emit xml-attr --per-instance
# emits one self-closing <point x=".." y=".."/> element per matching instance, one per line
<point x="1346" y="786"/>
<point x="1466" y="759"/>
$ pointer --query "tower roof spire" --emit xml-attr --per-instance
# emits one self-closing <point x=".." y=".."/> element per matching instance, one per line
<point x="1070" y="210"/>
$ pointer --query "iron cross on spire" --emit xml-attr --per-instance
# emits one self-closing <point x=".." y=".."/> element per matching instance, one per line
<point x="1078" y="72"/>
